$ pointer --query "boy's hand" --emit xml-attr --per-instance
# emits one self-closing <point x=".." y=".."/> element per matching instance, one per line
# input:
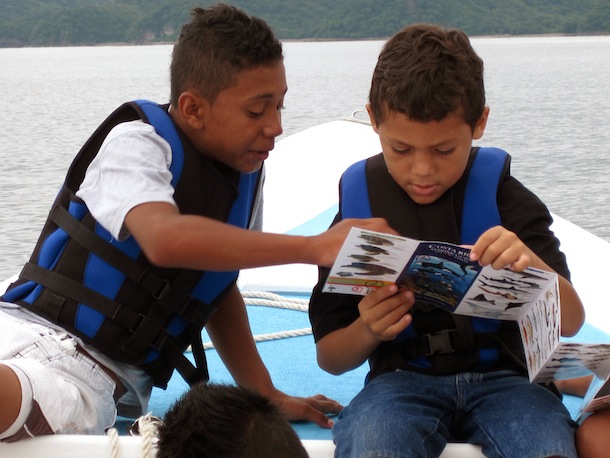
<point x="312" y="409"/>
<point x="385" y="312"/>
<point x="325" y="247"/>
<point x="501" y="248"/>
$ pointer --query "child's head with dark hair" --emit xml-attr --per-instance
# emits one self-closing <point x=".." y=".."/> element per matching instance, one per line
<point x="427" y="104"/>
<point x="426" y="72"/>
<point x="227" y="421"/>
<point x="228" y="84"/>
<point x="219" y="42"/>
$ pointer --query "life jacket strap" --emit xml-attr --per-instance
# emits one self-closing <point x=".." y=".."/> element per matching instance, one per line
<point x="199" y="353"/>
<point x="485" y="175"/>
<point x="81" y="294"/>
<point x="172" y="352"/>
<point x="139" y="326"/>
<point x="437" y="348"/>
<point x="159" y="314"/>
<point x="141" y="275"/>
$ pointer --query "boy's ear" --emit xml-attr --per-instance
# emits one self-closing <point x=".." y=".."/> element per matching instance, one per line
<point x="193" y="109"/>
<point x="479" y="127"/>
<point x="369" y="110"/>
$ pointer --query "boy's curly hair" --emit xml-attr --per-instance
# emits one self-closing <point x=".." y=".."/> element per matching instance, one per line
<point x="426" y="72"/>
<point x="215" y="420"/>
<point x="219" y="42"/>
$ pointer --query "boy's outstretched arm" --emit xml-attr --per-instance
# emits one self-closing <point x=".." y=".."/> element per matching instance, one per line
<point x="383" y="315"/>
<point x="171" y="239"/>
<point x="230" y="332"/>
<point x="500" y="248"/>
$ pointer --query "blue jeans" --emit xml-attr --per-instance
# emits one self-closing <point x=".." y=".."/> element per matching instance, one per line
<point x="405" y="414"/>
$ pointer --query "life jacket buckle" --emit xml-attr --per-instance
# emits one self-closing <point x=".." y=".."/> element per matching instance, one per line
<point x="439" y="343"/>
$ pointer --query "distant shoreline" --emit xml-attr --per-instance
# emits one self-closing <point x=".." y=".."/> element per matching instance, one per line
<point x="306" y="40"/>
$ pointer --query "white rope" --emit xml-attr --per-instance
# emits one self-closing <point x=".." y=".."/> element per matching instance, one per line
<point x="148" y="426"/>
<point x="113" y="435"/>
<point x="269" y="295"/>
<point x="300" y="307"/>
<point x="271" y="336"/>
<point x="267" y="299"/>
<point x="274" y="300"/>
<point x="147" y="429"/>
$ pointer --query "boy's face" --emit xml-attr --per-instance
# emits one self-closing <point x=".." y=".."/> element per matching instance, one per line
<point x="239" y="128"/>
<point x="426" y="158"/>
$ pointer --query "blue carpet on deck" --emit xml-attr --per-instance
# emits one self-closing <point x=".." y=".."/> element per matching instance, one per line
<point x="294" y="370"/>
<point x="290" y="361"/>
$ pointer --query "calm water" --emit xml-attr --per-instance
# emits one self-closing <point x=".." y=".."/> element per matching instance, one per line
<point x="550" y="108"/>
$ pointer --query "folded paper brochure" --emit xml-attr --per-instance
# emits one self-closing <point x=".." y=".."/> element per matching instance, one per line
<point x="441" y="274"/>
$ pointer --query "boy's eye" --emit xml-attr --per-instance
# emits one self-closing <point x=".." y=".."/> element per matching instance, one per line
<point x="258" y="114"/>
<point x="445" y="152"/>
<point x="401" y="150"/>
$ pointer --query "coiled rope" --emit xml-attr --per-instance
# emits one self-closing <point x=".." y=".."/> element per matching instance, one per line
<point x="146" y="426"/>
<point x="274" y="300"/>
<point x="267" y="299"/>
<point x="113" y="435"/>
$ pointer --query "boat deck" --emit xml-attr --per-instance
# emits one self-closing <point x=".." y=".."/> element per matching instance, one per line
<point x="309" y="164"/>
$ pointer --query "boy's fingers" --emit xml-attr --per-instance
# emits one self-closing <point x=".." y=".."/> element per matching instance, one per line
<point x="313" y="409"/>
<point x="324" y="404"/>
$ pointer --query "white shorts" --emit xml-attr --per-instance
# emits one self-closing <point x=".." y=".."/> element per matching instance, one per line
<point x="60" y="385"/>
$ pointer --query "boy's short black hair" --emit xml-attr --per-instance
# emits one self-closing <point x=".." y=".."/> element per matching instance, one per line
<point x="219" y="42"/>
<point x="214" y="420"/>
<point x="426" y="72"/>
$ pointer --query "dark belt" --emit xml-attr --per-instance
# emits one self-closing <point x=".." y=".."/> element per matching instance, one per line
<point x="119" y="389"/>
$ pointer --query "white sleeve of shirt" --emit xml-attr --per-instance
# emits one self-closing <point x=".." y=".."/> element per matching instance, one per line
<point x="131" y="168"/>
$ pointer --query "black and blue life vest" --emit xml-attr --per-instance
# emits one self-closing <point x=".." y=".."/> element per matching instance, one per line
<point x="105" y="291"/>
<point x="453" y="342"/>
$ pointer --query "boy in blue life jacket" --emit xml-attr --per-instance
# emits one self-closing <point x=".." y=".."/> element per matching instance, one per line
<point x="144" y="242"/>
<point x="436" y="377"/>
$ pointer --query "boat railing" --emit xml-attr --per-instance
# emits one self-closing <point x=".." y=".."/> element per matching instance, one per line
<point x="359" y="116"/>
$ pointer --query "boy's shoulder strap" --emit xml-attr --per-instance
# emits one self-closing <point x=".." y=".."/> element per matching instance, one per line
<point x="480" y="210"/>
<point x="157" y="116"/>
<point x="355" y="201"/>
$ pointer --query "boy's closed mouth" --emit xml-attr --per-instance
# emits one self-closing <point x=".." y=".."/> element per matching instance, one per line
<point x="424" y="190"/>
<point x="262" y="155"/>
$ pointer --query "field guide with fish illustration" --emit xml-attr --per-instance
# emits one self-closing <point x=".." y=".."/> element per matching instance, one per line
<point x="442" y="275"/>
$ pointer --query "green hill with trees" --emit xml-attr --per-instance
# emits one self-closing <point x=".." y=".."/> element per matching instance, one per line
<point x="89" y="22"/>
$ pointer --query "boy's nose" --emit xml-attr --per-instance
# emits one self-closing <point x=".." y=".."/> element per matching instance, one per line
<point x="422" y="165"/>
<point x="273" y="125"/>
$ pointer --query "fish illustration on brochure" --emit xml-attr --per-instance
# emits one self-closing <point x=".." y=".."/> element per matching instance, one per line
<point x="441" y="274"/>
